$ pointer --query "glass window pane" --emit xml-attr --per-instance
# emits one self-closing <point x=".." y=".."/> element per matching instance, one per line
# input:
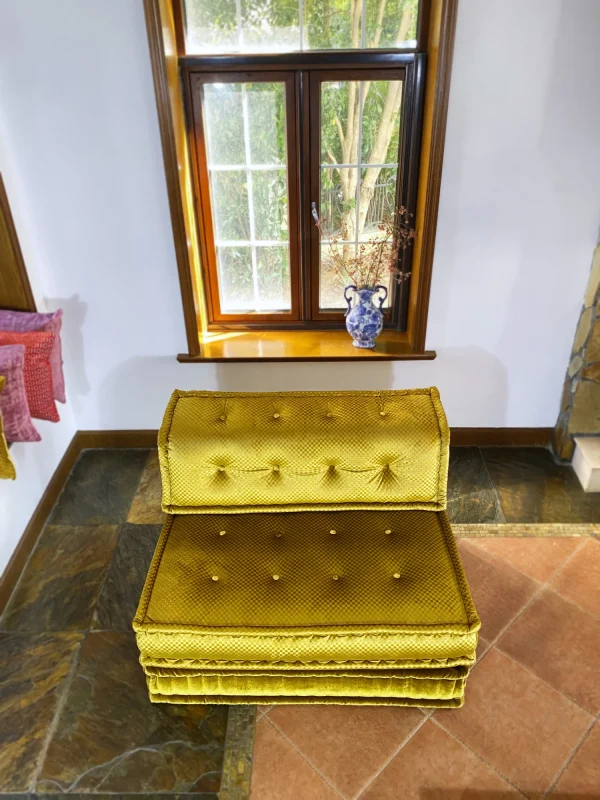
<point x="247" y="166"/>
<point x="266" y="118"/>
<point x="222" y="105"/>
<point x="265" y="26"/>
<point x="338" y="202"/>
<point x="360" y="125"/>
<point x="229" y="196"/>
<point x="391" y="24"/>
<point x="273" y="277"/>
<point x="236" y="284"/>
<point x="270" y="204"/>
<point x="332" y="283"/>
<point x="269" y="26"/>
<point x="211" y="27"/>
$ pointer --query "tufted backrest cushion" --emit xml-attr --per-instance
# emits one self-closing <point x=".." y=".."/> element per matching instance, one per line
<point x="300" y="451"/>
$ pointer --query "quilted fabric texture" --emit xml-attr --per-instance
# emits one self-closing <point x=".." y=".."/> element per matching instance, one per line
<point x="231" y="700"/>
<point x="415" y="684"/>
<point x="23" y="321"/>
<point x="7" y="468"/>
<point x="340" y="605"/>
<point x="14" y="407"/>
<point x="306" y="556"/>
<point x="37" y="371"/>
<point x="294" y="451"/>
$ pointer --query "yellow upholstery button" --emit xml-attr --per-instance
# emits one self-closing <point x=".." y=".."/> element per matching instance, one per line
<point x="275" y="577"/>
<point x="396" y="574"/>
<point x="329" y="414"/>
<point x="335" y="577"/>
<point x="275" y="469"/>
<point x="222" y="417"/>
<point x="221" y="533"/>
<point x="215" y="577"/>
<point x="276" y="415"/>
<point x="388" y="531"/>
<point x="383" y="413"/>
<point x="221" y="469"/>
<point x="332" y="532"/>
<point x="278" y="535"/>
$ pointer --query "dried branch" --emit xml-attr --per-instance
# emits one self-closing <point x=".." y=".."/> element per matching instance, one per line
<point x="377" y="258"/>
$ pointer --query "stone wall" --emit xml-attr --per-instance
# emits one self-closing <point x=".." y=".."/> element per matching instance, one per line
<point x="580" y="406"/>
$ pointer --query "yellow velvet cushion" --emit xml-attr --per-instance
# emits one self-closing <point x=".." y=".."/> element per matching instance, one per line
<point x="417" y="684"/>
<point x="7" y="467"/>
<point x="293" y="451"/>
<point x="234" y="699"/>
<point x="336" y="586"/>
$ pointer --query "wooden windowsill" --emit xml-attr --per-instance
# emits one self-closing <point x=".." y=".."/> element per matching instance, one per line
<point x="313" y="345"/>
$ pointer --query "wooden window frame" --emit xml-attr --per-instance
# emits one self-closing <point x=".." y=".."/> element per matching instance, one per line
<point x="303" y="135"/>
<point x="435" y="37"/>
<point x="409" y="69"/>
<point x="193" y="80"/>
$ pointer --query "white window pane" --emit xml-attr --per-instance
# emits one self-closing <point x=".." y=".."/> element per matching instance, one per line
<point x="236" y="282"/>
<point x="360" y="124"/>
<point x="270" y="204"/>
<point x="397" y="27"/>
<point x="266" y="116"/>
<point x="211" y="27"/>
<point x="222" y="107"/>
<point x="269" y="26"/>
<point x="266" y="26"/>
<point x="273" y="265"/>
<point x="229" y="197"/>
<point x="332" y="283"/>
<point x="247" y="165"/>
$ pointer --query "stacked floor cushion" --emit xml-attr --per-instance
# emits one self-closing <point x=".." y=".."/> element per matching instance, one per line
<point x="308" y="560"/>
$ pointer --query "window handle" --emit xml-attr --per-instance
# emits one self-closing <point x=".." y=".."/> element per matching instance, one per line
<point x="314" y="213"/>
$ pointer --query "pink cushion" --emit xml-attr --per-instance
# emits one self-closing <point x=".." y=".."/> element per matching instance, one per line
<point x="23" y="321"/>
<point x="14" y="408"/>
<point x="37" y="371"/>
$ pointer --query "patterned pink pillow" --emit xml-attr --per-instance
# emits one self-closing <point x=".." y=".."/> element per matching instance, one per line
<point x="37" y="371"/>
<point x="23" y="321"/>
<point x="18" y="426"/>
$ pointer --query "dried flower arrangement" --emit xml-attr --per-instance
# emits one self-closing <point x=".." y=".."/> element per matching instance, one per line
<point x="376" y="259"/>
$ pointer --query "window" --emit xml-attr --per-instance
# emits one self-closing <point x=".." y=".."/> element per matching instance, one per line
<point x="296" y="108"/>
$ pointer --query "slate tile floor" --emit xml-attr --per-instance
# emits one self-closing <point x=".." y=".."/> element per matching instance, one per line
<point x="74" y="713"/>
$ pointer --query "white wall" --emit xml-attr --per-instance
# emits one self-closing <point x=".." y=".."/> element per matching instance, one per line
<point x="518" y="220"/>
<point x="35" y="462"/>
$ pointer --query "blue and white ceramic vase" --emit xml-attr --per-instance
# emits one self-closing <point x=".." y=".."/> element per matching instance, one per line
<point x="364" y="322"/>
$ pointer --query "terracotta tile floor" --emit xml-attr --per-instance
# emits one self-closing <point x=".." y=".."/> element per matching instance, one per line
<point x="530" y="725"/>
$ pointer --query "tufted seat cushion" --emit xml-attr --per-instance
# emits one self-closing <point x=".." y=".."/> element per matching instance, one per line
<point x="294" y="451"/>
<point x="347" y="604"/>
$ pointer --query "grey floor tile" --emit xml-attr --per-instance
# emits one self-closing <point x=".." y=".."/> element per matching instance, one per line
<point x="62" y="580"/>
<point x="471" y="494"/>
<point x="33" y="671"/>
<point x="111" y="738"/>
<point x="124" y="582"/>
<point x="101" y="488"/>
<point x="532" y="487"/>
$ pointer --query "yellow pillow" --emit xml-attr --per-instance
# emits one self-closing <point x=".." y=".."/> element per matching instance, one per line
<point x="303" y="451"/>
<point x="7" y="468"/>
